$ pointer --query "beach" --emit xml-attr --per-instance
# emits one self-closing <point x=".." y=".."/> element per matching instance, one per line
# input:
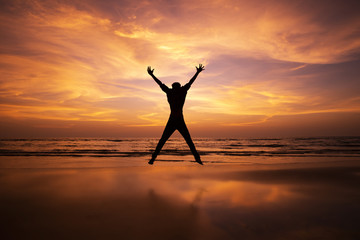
<point x="103" y="188"/>
<point x="181" y="201"/>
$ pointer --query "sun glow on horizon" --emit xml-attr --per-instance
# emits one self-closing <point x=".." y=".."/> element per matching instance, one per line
<point x="86" y="62"/>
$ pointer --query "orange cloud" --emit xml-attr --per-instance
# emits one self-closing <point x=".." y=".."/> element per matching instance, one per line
<point x="86" y="61"/>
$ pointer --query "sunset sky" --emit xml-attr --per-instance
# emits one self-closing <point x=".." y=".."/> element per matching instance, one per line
<point x="272" y="68"/>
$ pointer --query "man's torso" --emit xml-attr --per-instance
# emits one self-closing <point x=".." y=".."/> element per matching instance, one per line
<point x="176" y="99"/>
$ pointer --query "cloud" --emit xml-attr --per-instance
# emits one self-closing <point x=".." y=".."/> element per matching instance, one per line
<point x="86" y="60"/>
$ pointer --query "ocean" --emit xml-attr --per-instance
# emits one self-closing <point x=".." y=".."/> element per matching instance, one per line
<point x="117" y="152"/>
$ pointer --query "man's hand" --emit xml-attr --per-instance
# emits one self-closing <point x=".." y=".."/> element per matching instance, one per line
<point x="200" y="68"/>
<point x="150" y="71"/>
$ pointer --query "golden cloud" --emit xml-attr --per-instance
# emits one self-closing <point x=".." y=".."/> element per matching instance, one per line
<point x="87" y="61"/>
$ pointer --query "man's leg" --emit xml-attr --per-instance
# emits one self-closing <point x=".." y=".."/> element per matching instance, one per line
<point x="185" y="133"/>
<point x="168" y="131"/>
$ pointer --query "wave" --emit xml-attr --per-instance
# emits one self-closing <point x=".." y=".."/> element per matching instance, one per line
<point x="111" y="153"/>
<point x="128" y="147"/>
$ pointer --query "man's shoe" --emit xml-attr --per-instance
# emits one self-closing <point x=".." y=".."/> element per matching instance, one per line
<point x="199" y="161"/>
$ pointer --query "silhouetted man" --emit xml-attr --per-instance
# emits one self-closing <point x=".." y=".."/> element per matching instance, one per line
<point x="176" y="98"/>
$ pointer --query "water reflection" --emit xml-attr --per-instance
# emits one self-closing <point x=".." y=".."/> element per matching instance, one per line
<point x="181" y="203"/>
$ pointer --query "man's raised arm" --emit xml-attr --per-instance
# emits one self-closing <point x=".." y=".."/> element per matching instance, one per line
<point x="151" y="73"/>
<point x="198" y="70"/>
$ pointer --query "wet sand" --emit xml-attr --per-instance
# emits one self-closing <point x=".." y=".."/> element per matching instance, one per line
<point x="289" y="201"/>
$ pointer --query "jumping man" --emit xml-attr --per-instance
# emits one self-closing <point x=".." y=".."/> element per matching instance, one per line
<point x="176" y="98"/>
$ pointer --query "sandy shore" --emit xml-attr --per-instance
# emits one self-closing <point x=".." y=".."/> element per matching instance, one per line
<point x="293" y="201"/>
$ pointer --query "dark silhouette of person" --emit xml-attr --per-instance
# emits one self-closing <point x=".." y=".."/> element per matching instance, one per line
<point x="176" y="98"/>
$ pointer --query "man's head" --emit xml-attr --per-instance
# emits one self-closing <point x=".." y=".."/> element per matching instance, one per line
<point x="176" y="85"/>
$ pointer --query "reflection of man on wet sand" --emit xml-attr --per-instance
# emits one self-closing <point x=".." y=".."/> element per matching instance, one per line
<point x="176" y="98"/>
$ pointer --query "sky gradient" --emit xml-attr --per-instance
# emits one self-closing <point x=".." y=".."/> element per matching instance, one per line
<point x="272" y="68"/>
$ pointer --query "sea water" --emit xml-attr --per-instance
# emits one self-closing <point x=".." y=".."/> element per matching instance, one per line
<point x="117" y="152"/>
